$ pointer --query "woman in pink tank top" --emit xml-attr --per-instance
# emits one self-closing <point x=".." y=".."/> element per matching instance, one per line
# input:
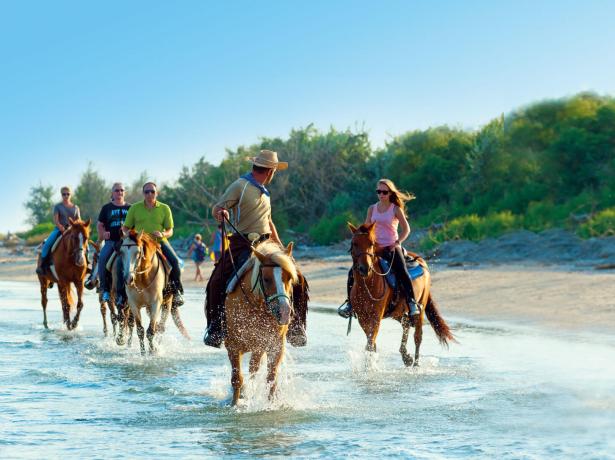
<point x="388" y="214"/>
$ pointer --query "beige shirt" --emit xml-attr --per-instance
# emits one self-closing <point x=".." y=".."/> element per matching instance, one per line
<point x="251" y="208"/>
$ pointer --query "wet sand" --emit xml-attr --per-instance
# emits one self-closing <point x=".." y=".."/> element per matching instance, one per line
<point x="554" y="296"/>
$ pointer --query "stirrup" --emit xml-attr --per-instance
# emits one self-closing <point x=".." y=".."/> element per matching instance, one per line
<point x="345" y="310"/>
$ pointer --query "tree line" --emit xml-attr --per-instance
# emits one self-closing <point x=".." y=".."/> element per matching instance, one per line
<point x="550" y="164"/>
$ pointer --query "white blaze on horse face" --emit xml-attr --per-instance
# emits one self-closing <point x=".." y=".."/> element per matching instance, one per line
<point x="283" y="303"/>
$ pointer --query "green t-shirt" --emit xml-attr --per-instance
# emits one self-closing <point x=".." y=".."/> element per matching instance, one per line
<point x="156" y="219"/>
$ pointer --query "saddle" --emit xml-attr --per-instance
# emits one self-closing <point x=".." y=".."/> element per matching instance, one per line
<point x="231" y="284"/>
<point x="165" y="263"/>
<point x="414" y="269"/>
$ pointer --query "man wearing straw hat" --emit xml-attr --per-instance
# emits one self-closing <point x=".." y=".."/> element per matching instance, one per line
<point x="249" y="200"/>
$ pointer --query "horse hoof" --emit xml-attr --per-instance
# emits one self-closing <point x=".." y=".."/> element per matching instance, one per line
<point x="408" y="362"/>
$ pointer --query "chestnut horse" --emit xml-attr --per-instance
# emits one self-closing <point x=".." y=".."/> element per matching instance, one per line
<point x="69" y="266"/>
<point x="371" y="297"/>
<point x="258" y="313"/>
<point x="145" y="279"/>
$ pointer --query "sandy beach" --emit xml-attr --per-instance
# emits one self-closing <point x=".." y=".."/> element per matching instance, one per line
<point x="550" y="295"/>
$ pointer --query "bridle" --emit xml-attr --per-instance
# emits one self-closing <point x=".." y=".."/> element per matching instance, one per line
<point x="140" y="257"/>
<point x="74" y="239"/>
<point x="269" y="299"/>
<point x="370" y="269"/>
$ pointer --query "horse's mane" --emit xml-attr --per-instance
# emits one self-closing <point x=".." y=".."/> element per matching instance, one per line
<point x="365" y="229"/>
<point x="278" y="256"/>
<point x="149" y="242"/>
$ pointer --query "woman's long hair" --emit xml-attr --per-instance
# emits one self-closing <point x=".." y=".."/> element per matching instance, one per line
<point x="396" y="196"/>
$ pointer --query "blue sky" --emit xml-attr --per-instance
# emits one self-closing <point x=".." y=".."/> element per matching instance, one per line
<point x="133" y="86"/>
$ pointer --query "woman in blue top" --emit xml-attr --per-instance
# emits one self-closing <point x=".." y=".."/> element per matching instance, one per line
<point x="198" y="251"/>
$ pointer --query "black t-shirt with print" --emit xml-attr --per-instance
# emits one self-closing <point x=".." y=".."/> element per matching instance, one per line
<point x="112" y="217"/>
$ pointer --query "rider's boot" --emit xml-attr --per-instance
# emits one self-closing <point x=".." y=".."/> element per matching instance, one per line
<point x="43" y="266"/>
<point x="345" y="309"/>
<point x="214" y="334"/>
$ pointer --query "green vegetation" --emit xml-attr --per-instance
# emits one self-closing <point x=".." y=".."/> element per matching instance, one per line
<point x="548" y="165"/>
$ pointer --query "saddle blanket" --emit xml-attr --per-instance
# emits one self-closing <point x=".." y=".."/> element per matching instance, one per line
<point x="414" y="269"/>
<point x="232" y="283"/>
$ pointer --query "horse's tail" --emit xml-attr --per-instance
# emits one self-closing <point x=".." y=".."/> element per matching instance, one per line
<point x="442" y="330"/>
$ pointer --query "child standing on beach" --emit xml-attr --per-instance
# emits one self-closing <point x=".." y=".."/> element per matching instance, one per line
<point x="198" y="251"/>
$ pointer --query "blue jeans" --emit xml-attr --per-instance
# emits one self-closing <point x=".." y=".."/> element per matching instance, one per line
<point x="103" y="258"/>
<point x="53" y="236"/>
<point x="175" y="274"/>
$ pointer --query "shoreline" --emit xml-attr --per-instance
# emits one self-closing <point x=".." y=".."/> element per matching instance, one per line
<point x="555" y="296"/>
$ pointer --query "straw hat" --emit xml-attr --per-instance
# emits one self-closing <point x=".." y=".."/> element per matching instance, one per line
<point x="268" y="159"/>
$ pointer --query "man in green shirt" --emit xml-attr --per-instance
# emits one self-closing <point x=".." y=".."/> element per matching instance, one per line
<point x="155" y="218"/>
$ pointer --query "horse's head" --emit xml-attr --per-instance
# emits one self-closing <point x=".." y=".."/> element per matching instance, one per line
<point x="363" y="247"/>
<point x="273" y="276"/>
<point x="76" y="238"/>
<point x="136" y="254"/>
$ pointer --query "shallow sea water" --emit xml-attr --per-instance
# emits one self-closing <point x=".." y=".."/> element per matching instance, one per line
<point x="503" y="392"/>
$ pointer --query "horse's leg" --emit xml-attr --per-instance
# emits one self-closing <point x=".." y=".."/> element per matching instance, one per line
<point x="255" y="362"/>
<point x="418" y="337"/>
<point x="273" y="362"/>
<point x="153" y="323"/>
<point x="103" y="313"/>
<point x="122" y="320"/>
<point x="113" y="315"/>
<point x="140" y="330"/>
<point x="131" y="326"/>
<point x="236" y="377"/>
<point x="44" y="300"/>
<point x="62" y="288"/>
<point x="405" y="356"/>
<point x="79" y="287"/>
<point x="163" y="317"/>
<point x="179" y="323"/>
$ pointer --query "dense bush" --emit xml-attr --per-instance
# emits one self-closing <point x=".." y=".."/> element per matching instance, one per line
<point x="602" y="224"/>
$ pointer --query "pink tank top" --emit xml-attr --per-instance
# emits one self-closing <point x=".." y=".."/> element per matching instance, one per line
<point x="386" y="225"/>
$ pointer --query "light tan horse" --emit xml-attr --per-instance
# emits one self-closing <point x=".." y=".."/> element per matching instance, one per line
<point x="372" y="299"/>
<point x="258" y="313"/>
<point x="69" y="267"/>
<point x="145" y="279"/>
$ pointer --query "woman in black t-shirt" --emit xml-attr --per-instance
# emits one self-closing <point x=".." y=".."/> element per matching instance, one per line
<point x="109" y="226"/>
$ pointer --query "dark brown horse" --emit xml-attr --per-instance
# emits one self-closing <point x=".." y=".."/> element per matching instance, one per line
<point x="258" y="313"/>
<point x="104" y="306"/>
<point x="69" y="267"/>
<point x="372" y="299"/>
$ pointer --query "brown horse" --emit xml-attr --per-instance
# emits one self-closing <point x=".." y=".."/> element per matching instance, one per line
<point x="103" y="305"/>
<point x="69" y="267"/>
<point x="372" y="299"/>
<point x="145" y="278"/>
<point x="258" y="313"/>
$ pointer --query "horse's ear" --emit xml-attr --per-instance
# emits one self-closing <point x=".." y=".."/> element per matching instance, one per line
<point x="94" y="245"/>
<point x="289" y="249"/>
<point x="87" y="222"/>
<point x="371" y="227"/>
<point x="259" y="256"/>
<point x="351" y="227"/>
<point x="140" y="235"/>
<point x="71" y="221"/>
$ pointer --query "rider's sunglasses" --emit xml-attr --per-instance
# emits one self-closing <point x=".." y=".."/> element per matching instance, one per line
<point x="147" y="192"/>
<point x="382" y="192"/>
<point x="66" y="194"/>
<point x="118" y="190"/>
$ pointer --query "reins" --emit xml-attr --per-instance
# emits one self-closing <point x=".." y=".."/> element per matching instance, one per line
<point x="259" y="280"/>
